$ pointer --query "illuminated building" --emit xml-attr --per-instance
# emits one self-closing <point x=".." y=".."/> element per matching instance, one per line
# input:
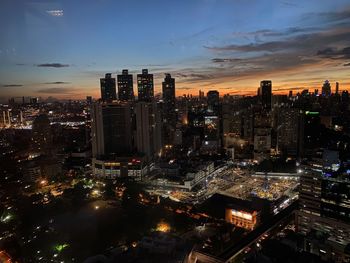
<point x="145" y="86"/>
<point x="324" y="207"/>
<point x="266" y="93"/>
<point x="242" y="218"/>
<point x="42" y="135"/>
<point x="108" y="90"/>
<point x="119" y="166"/>
<point x="125" y="86"/>
<point x="211" y="140"/>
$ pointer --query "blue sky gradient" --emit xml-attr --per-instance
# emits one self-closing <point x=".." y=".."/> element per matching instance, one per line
<point x="62" y="48"/>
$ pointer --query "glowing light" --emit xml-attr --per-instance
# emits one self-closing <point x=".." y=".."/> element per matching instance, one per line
<point x="163" y="227"/>
<point x="43" y="182"/>
<point x="242" y="215"/>
<point x="59" y="248"/>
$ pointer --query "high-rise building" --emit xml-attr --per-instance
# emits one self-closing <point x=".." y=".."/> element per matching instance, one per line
<point x="108" y="90"/>
<point x="288" y="130"/>
<point x="125" y="86"/>
<point x="168" y="110"/>
<point x="168" y="86"/>
<point x="42" y="134"/>
<point x="148" y="129"/>
<point x="113" y="148"/>
<point x="266" y="93"/>
<point x="145" y="86"/>
<point x="326" y="88"/>
<point x="337" y="88"/>
<point x="324" y="209"/>
<point x="213" y="101"/>
<point x="111" y="129"/>
<point x="262" y="135"/>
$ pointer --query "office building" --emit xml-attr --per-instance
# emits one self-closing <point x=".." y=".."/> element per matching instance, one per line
<point x="266" y="93"/>
<point x="125" y="86"/>
<point x="145" y="86"/>
<point x="108" y="89"/>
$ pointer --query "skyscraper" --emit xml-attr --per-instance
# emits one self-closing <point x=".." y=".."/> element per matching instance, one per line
<point x="337" y="88"/>
<point x="111" y="129"/>
<point x="42" y="134"/>
<point x="108" y="90"/>
<point x="168" y="86"/>
<point x="266" y="93"/>
<point x="148" y="129"/>
<point x="125" y="86"/>
<point x="213" y="101"/>
<point x="324" y="208"/>
<point x="326" y="88"/>
<point x="113" y="149"/>
<point x="145" y="86"/>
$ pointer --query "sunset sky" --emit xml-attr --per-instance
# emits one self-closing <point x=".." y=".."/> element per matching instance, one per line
<point x="62" y="48"/>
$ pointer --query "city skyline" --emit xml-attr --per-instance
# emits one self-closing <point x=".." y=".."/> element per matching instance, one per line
<point x="62" y="49"/>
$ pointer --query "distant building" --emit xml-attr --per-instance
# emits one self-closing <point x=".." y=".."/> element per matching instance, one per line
<point x="42" y="134"/>
<point x="266" y="93"/>
<point x="108" y="89"/>
<point x="211" y="141"/>
<point x="288" y="130"/>
<point x="169" y="115"/>
<point x="125" y="86"/>
<point x="145" y="86"/>
<point x="168" y="86"/>
<point x="213" y="101"/>
<point x="326" y="89"/>
<point x="337" y="88"/>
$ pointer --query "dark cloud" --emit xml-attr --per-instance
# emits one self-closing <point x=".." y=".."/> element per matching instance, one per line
<point x="53" y="65"/>
<point x="299" y="42"/>
<point x="335" y="53"/>
<point x="55" y="91"/>
<point x="57" y="82"/>
<point x="223" y="60"/>
<point x="329" y="17"/>
<point x="12" y="85"/>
